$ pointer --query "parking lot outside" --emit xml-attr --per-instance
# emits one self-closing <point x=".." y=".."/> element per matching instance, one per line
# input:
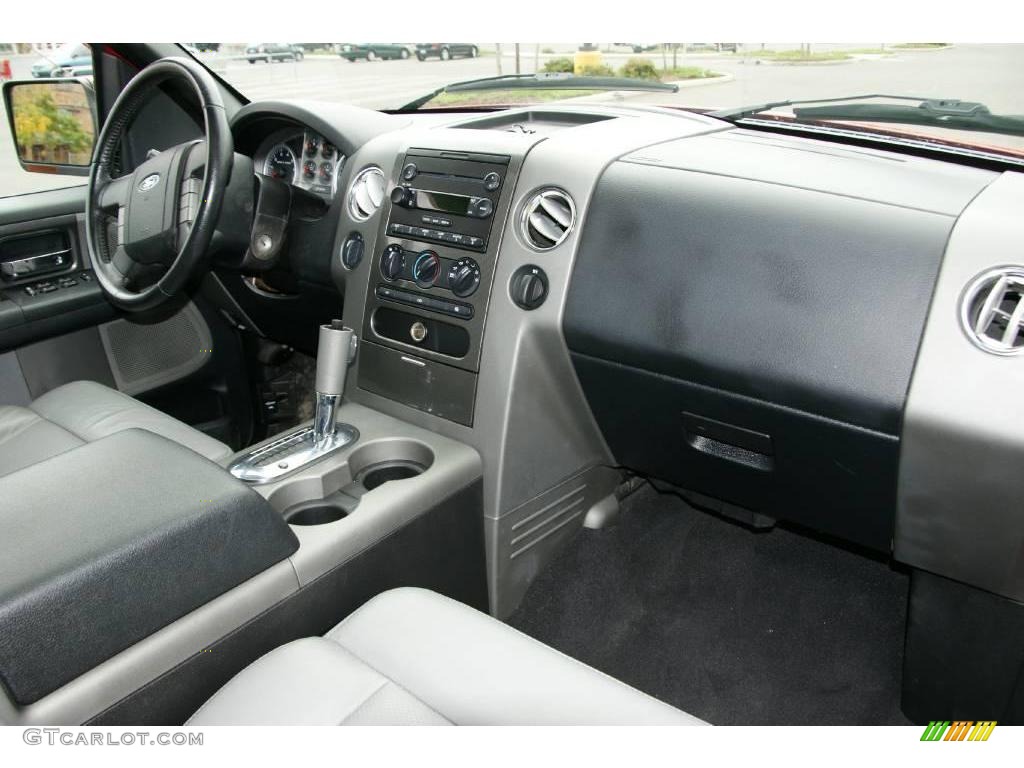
<point x="990" y="74"/>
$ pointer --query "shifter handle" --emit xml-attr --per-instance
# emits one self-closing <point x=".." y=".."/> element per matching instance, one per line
<point x="335" y="351"/>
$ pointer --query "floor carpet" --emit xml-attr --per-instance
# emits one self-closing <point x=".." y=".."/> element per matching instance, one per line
<point x="734" y="626"/>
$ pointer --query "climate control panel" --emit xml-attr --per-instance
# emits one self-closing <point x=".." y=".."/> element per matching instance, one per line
<point x="428" y="269"/>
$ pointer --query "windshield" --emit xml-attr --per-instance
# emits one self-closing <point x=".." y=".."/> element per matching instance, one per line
<point x="708" y="76"/>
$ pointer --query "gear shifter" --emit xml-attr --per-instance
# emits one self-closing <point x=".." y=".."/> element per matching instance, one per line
<point x="335" y="352"/>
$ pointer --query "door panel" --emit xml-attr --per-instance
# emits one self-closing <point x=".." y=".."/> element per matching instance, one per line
<point x="46" y="283"/>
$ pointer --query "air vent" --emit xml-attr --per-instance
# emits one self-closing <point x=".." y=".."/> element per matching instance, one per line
<point x="992" y="311"/>
<point x="548" y="218"/>
<point x="366" y="194"/>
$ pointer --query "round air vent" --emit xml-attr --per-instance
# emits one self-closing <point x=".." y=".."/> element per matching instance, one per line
<point x="548" y="218"/>
<point x="366" y="194"/>
<point x="992" y="310"/>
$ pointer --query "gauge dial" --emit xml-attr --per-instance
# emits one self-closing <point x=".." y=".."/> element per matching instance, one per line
<point x="280" y="163"/>
<point x="312" y="145"/>
<point x="327" y="150"/>
<point x="309" y="168"/>
<point x="326" y="172"/>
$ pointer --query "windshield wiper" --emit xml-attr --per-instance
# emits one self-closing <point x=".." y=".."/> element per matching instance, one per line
<point x="943" y="113"/>
<point x="543" y="81"/>
<point x="738" y="113"/>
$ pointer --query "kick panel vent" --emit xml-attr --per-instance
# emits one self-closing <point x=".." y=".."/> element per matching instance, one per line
<point x="550" y="518"/>
<point x="992" y="311"/>
<point x="548" y="218"/>
<point x="366" y="195"/>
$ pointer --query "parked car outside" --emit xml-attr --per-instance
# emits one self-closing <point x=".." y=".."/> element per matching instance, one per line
<point x="445" y="51"/>
<point x="73" y="60"/>
<point x="270" y="52"/>
<point x="373" y="51"/>
<point x="299" y="51"/>
<point x="643" y="47"/>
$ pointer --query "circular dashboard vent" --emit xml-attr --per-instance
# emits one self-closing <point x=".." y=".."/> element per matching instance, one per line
<point x="992" y="311"/>
<point x="366" y="194"/>
<point x="548" y="218"/>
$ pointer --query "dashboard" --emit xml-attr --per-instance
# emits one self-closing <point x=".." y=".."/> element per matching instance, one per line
<point x="747" y="315"/>
<point x="303" y="158"/>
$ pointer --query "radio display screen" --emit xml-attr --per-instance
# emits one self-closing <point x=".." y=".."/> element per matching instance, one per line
<point x="439" y="201"/>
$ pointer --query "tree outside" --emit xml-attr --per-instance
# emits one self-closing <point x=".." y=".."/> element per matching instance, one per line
<point x="53" y="123"/>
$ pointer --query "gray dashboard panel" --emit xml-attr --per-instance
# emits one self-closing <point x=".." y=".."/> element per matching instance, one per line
<point x="870" y="174"/>
<point x="531" y="426"/>
<point x="961" y="483"/>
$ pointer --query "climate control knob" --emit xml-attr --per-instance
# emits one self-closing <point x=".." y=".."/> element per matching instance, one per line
<point x="392" y="262"/>
<point x="426" y="268"/>
<point x="464" y="277"/>
<point x="529" y="287"/>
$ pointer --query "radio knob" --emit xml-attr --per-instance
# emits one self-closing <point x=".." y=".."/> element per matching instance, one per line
<point x="402" y="196"/>
<point x="464" y="277"/>
<point x="392" y="262"/>
<point x="481" y="208"/>
<point x="409" y="171"/>
<point x="492" y="181"/>
<point x="426" y="268"/>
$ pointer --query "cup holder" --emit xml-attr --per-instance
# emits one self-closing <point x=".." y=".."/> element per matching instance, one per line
<point x="316" y="512"/>
<point x="376" y="475"/>
<point x="332" y="496"/>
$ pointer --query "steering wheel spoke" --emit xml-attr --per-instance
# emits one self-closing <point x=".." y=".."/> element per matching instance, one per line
<point x="114" y="193"/>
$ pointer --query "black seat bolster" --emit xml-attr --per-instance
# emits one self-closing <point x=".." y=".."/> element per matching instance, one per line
<point x="107" y="543"/>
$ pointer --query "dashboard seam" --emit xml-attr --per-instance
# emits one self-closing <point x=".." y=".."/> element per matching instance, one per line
<point x="745" y="398"/>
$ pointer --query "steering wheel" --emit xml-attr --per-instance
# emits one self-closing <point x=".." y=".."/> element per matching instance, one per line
<point x="148" y="231"/>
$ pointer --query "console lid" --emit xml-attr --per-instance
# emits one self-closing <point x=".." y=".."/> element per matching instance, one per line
<point x="107" y="543"/>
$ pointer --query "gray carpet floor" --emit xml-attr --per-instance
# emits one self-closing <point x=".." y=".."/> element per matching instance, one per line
<point x="734" y="626"/>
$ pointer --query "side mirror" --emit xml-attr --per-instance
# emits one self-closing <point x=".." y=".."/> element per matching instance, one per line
<point x="53" y="123"/>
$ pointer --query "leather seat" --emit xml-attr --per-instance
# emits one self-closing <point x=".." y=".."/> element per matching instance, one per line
<point x="413" y="657"/>
<point x="83" y="411"/>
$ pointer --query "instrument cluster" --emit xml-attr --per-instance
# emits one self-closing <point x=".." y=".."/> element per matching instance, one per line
<point x="304" y="159"/>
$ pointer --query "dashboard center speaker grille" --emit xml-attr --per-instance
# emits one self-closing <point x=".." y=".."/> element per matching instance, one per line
<point x="548" y="218"/>
<point x="366" y="195"/>
<point x="992" y="311"/>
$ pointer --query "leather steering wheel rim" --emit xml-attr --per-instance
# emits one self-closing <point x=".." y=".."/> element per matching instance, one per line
<point x="113" y="262"/>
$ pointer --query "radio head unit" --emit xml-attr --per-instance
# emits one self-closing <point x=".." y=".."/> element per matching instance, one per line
<point x="449" y="198"/>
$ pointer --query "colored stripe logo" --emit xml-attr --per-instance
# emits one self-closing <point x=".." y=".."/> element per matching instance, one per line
<point x="958" y="730"/>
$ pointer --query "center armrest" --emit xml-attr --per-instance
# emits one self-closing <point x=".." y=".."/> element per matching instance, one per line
<point x="107" y="543"/>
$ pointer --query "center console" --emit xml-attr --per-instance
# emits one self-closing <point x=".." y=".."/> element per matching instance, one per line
<point x="429" y="288"/>
<point x="457" y="283"/>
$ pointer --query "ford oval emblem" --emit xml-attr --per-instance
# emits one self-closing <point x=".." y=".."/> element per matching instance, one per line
<point x="149" y="182"/>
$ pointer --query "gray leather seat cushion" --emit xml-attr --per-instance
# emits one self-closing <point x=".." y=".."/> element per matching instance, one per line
<point x="81" y="412"/>
<point x="413" y="657"/>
